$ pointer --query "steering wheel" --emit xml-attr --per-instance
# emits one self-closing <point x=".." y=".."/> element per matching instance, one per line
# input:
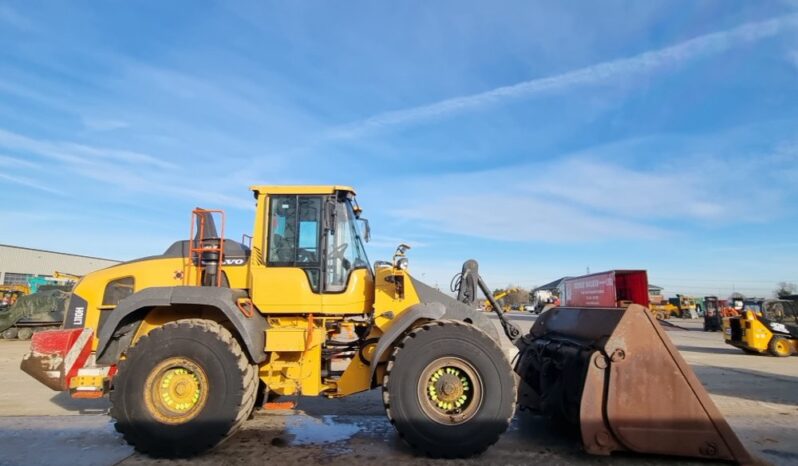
<point x="303" y="255"/>
<point x="338" y="252"/>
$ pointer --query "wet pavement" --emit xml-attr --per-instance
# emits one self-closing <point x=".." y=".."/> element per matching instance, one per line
<point x="756" y="394"/>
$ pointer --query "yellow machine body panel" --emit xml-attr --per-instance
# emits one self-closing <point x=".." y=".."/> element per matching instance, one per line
<point x="283" y="291"/>
<point x="746" y="332"/>
<point x="357" y="298"/>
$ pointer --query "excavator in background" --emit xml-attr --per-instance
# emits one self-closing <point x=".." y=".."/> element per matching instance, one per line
<point x="498" y="296"/>
<point x="189" y="342"/>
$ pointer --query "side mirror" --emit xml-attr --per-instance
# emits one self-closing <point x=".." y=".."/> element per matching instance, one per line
<point x="366" y="229"/>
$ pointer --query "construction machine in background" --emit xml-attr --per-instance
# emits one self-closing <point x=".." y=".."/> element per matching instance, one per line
<point x="686" y="306"/>
<point x="764" y="327"/>
<point x="712" y="314"/>
<point x="498" y="296"/>
<point x="38" y="305"/>
<point x="665" y="310"/>
<point x="33" y="313"/>
<point x="187" y="343"/>
<point x="10" y="293"/>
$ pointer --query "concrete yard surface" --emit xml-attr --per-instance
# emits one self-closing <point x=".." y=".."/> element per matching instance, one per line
<point x="757" y="394"/>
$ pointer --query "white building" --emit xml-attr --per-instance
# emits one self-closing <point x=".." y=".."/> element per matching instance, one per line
<point x="18" y="264"/>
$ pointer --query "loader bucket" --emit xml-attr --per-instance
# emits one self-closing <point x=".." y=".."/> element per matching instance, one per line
<point x="617" y="376"/>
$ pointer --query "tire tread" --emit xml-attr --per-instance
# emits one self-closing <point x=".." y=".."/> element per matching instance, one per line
<point x="248" y="373"/>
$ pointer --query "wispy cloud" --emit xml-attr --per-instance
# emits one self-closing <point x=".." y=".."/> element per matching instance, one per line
<point x="74" y="153"/>
<point x="590" y="195"/>
<point x="513" y="217"/>
<point x="129" y="170"/>
<point x="25" y="181"/>
<point x="103" y="124"/>
<point x="704" y="45"/>
<point x="7" y="161"/>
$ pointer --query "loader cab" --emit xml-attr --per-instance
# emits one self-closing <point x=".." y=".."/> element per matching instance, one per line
<point x="308" y="252"/>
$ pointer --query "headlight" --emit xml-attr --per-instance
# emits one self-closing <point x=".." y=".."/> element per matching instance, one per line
<point x="402" y="263"/>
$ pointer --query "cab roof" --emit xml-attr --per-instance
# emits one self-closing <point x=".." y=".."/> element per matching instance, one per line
<point x="300" y="189"/>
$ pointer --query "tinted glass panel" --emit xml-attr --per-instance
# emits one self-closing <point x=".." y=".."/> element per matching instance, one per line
<point x="118" y="289"/>
<point x="294" y="227"/>
<point x="345" y="250"/>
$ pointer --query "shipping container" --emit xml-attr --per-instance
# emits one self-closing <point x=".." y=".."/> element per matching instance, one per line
<point x="615" y="288"/>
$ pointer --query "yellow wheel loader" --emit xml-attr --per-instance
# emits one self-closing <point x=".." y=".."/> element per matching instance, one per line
<point x="187" y="343"/>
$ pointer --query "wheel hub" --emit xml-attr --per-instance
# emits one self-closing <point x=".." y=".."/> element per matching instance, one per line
<point x="448" y="388"/>
<point x="180" y="389"/>
<point x="451" y="390"/>
<point x="176" y="390"/>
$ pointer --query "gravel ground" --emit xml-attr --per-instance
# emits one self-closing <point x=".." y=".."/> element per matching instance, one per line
<point x="37" y="426"/>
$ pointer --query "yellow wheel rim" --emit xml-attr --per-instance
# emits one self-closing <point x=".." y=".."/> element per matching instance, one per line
<point x="781" y="347"/>
<point x="176" y="390"/>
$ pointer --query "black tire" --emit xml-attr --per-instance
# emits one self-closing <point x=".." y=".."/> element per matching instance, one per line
<point x="25" y="333"/>
<point x="780" y="346"/>
<point x="404" y="390"/>
<point x="230" y="383"/>
<point x="11" y="333"/>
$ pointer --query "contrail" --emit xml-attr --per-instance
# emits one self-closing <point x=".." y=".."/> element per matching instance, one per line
<point x="707" y="44"/>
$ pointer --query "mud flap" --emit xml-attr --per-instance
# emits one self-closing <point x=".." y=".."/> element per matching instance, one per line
<point x="616" y="375"/>
<point x="56" y="356"/>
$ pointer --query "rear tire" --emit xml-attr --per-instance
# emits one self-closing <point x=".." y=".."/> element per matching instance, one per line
<point x="25" y="333"/>
<point x="183" y="389"/>
<point x="449" y="390"/>
<point x="11" y="333"/>
<point x="779" y="346"/>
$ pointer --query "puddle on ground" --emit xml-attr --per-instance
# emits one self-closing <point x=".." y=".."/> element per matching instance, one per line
<point x="307" y="430"/>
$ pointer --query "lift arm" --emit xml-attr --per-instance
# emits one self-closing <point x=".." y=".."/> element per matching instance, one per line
<point x="466" y="284"/>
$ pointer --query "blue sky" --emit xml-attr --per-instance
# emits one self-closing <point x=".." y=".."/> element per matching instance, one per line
<point x="541" y="138"/>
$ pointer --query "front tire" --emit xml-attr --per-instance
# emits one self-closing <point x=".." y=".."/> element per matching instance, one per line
<point x="183" y="389"/>
<point x="449" y="390"/>
<point x="779" y="346"/>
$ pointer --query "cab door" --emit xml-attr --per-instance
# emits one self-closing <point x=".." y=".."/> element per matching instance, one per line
<point x="287" y="278"/>
<point x="348" y="280"/>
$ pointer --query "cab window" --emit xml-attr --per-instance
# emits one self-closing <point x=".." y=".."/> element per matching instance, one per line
<point x="344" y="249"/>
<point x="117" y="290"/>
<point x="294" y="235"/>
